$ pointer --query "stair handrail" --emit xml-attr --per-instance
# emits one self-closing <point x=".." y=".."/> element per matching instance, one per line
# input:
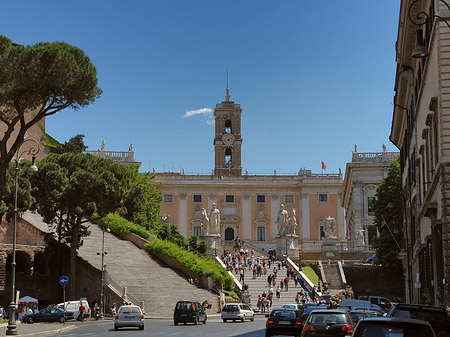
<point x="235" y="280"/>
<point x="113" y="285"/>
<point x="308" y="282"/>
<point x="342" y="274"/>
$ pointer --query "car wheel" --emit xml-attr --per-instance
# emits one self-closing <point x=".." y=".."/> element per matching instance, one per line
<point x="243" y="319"/>
<point x="175" y="323"/>
<point x="196" y="320"/>
<point x="116" y="328"/>
<point x="224" y="320"/>
<point x="141" y="328"/>
<point x="61" y="319"/>
<point x="268" y="334"/>
<point x="253" y="318"/>
<point x="234" y="320"/>
<point x="204" y="322"/>
<point x="30" y="320"/>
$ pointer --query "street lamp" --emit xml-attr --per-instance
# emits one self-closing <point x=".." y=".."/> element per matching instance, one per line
<point x="421" y="18"/>
<point x="12" y="328"/>
<point x="103" y="253"/>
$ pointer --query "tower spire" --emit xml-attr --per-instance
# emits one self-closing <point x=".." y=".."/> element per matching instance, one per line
<point x="228" y="89"/>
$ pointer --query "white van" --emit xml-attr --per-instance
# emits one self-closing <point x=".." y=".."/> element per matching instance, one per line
<point x="74" y="306"/>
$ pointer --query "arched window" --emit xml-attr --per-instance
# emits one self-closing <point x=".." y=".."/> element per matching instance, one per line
<point x="229" y="234"/>
<point x="228" y="126"/>
<point x="40" y="264"/>
<point x="23" y="262"/>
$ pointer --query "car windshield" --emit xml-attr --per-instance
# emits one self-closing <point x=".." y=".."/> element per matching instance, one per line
<point x="321" y="318"/>
<point x="386" y="330"/>
<point x="185" y="306"/>
<point x="289" y="306"/>
<point x="357" y="316"/>
<point x="437" y="318"/>
<point x="129" y="310"/>
<point x="231" y="307"/>
<point x="284" y="313"/>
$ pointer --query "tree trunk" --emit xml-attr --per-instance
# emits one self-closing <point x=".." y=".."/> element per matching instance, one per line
<point x="73" y="257"/>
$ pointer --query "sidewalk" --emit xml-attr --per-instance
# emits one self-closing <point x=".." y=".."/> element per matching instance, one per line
<point x="37" y="329"/>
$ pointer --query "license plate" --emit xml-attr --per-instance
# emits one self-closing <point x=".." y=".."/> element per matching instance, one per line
<point x="183" y="315"/>
<point x="284" y="323"/>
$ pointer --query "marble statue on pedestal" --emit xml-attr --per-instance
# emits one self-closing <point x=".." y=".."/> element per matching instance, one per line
<point x="214" y="220"/>
<point x="282" y="220"/>
<point x="205" y="222"/>
<point x="361" y="238"/>
<point x="292" y="227"/>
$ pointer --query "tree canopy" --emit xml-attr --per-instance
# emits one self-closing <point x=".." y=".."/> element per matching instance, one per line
<point x="388" y="207"/>
<point x="35" y="82"/>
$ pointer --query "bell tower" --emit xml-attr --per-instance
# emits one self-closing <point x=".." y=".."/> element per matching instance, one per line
<point x="227" y="140"/>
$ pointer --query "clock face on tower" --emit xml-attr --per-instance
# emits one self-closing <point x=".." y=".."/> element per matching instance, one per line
<point x="228" y="139"/>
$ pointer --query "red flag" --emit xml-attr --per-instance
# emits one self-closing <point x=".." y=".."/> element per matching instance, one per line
<point x="324" y="167"/>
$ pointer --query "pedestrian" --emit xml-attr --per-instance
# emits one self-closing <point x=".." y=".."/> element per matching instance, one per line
<point x="241" y="275"/>
<point x="274" y="280"/>
<point x="297" y="298"/>
<point x="269" y="280"/>
<point x="286" y="284"/>
<point x="278" y="292"/>
<point x="264" y="304"/>
<point x="82" y="310"/>
<point x="295" y="280"/>
<point x="281" y="284"/>
<point x="113" y="309"/>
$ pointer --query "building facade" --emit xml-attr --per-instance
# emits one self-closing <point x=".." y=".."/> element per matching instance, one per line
<point x="421" y="130"/>
<point x="362" y="177"/>
<point x="248" y="203"/>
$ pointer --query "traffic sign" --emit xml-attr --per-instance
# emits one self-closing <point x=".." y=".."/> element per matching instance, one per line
<point x="63" y="280"/>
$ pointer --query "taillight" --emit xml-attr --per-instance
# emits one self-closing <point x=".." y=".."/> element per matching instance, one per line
<point x="270" y="322"/>
<point x="309" y="327"/>
<point x="193" y="307"/>
<point x="117" y="316"/>
<point x="347" y="328"/>
<point x="142" y="316"/>
<point x="298" y="322"/>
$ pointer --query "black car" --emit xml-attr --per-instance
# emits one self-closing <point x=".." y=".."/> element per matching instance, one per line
<point x="436" y="316"/>
<point x="284" y="322"/>
<point x="359" y="314"/>
<point x="189" y="311"/>
<point x="328" y="322"/>
<point x="392" y="326"/>
<point x="48" y="315"/>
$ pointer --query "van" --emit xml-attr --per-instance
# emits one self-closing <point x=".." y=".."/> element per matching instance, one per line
<point x="378" y="300"/>
<point x="74" y="306"/>
<point x="351" y="304"/>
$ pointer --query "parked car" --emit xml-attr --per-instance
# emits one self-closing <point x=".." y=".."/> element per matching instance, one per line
<point x="311" y="308"/>
<point x="357" y="315"/>
<point x="438" y="317"/>
<point x="74" y="306"/>
<point x="189" y="311"/>
<point x="392" y="326"/>
<point x="294" y="306"/>
<point x="237" y="311"/>
<point x="330" y="322"/>
<point x="383" y="302"/>
<point x="48" y="315"/>
<point x="129" y="316"/>
<point x="284" y="322"/>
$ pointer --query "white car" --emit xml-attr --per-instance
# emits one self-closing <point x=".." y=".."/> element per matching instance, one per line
<point x="74" y="307"/>
<point x="294" y="306"/>
<point x="129" y="316"/>
<point x="237" y="312"/>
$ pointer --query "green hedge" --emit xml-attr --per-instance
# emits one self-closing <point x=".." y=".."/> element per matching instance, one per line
<point x="121" y="226"/>
<point x="201" y="266"/>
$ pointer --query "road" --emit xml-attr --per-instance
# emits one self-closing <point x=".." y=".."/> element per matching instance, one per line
<point x="165" y="327"/>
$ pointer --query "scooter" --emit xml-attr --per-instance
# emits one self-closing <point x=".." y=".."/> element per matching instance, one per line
<point x="97" y="313"/>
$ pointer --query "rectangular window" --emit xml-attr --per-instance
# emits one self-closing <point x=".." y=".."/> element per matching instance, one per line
<point x="323" y="197"/>
<point x="197" y="230"/>
<point x="229" y="198"/>
<point x="260" y="199"/>
<point x="197" y="198"/>
<point x="289" y="199"/>
<point x="168" y="198"/>
<point x="260" y="234"/>
<point x="371" y="205"/>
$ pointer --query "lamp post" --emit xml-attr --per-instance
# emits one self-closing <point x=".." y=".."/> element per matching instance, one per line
<point x="103" y="253"/>
<point x="12" y="327"/>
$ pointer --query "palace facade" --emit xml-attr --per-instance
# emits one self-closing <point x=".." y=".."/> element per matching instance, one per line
<point x="249" y="203"/>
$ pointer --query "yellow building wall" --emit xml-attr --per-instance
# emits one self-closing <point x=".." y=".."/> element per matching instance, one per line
<point x="319" y="210"/>
<point x="170" y="209"/>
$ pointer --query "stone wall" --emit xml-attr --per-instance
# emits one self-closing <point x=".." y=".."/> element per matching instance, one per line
<point x="377" y="281"/>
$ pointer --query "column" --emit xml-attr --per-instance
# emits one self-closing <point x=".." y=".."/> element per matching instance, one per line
<point x="182" y="216"/>
<point x="305" y="225"/>
<point x="274" y="208"/>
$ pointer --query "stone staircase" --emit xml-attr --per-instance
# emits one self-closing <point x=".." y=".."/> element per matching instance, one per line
<point x="145" y="278"/>
<point x="333" y="277"/>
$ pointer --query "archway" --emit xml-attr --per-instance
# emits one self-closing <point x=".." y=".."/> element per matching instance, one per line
<point x="229" y="234"/>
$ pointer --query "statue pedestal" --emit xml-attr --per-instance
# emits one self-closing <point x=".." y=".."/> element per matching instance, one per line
<point x="287" y="245"/>
<point x="214" y="243"/>
<point x="329" y="246"/>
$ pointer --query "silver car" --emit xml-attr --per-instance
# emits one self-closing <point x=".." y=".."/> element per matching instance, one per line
<point x="237" y="312"/>
<point x="129" y="316"/>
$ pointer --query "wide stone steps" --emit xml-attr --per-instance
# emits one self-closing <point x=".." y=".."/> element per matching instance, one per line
<point x="145" y="278"/>
<point x="333" y="277"/>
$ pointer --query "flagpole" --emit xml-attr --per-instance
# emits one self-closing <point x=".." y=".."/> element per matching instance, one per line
<point x="391" y="233"/>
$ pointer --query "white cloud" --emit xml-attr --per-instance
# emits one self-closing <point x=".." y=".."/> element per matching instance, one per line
<point x="205" y="112"/>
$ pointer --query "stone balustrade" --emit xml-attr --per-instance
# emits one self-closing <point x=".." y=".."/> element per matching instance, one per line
<point x="377" y="157"/>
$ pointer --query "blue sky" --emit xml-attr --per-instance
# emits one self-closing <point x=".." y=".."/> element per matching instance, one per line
<point x="312" y="77"/>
